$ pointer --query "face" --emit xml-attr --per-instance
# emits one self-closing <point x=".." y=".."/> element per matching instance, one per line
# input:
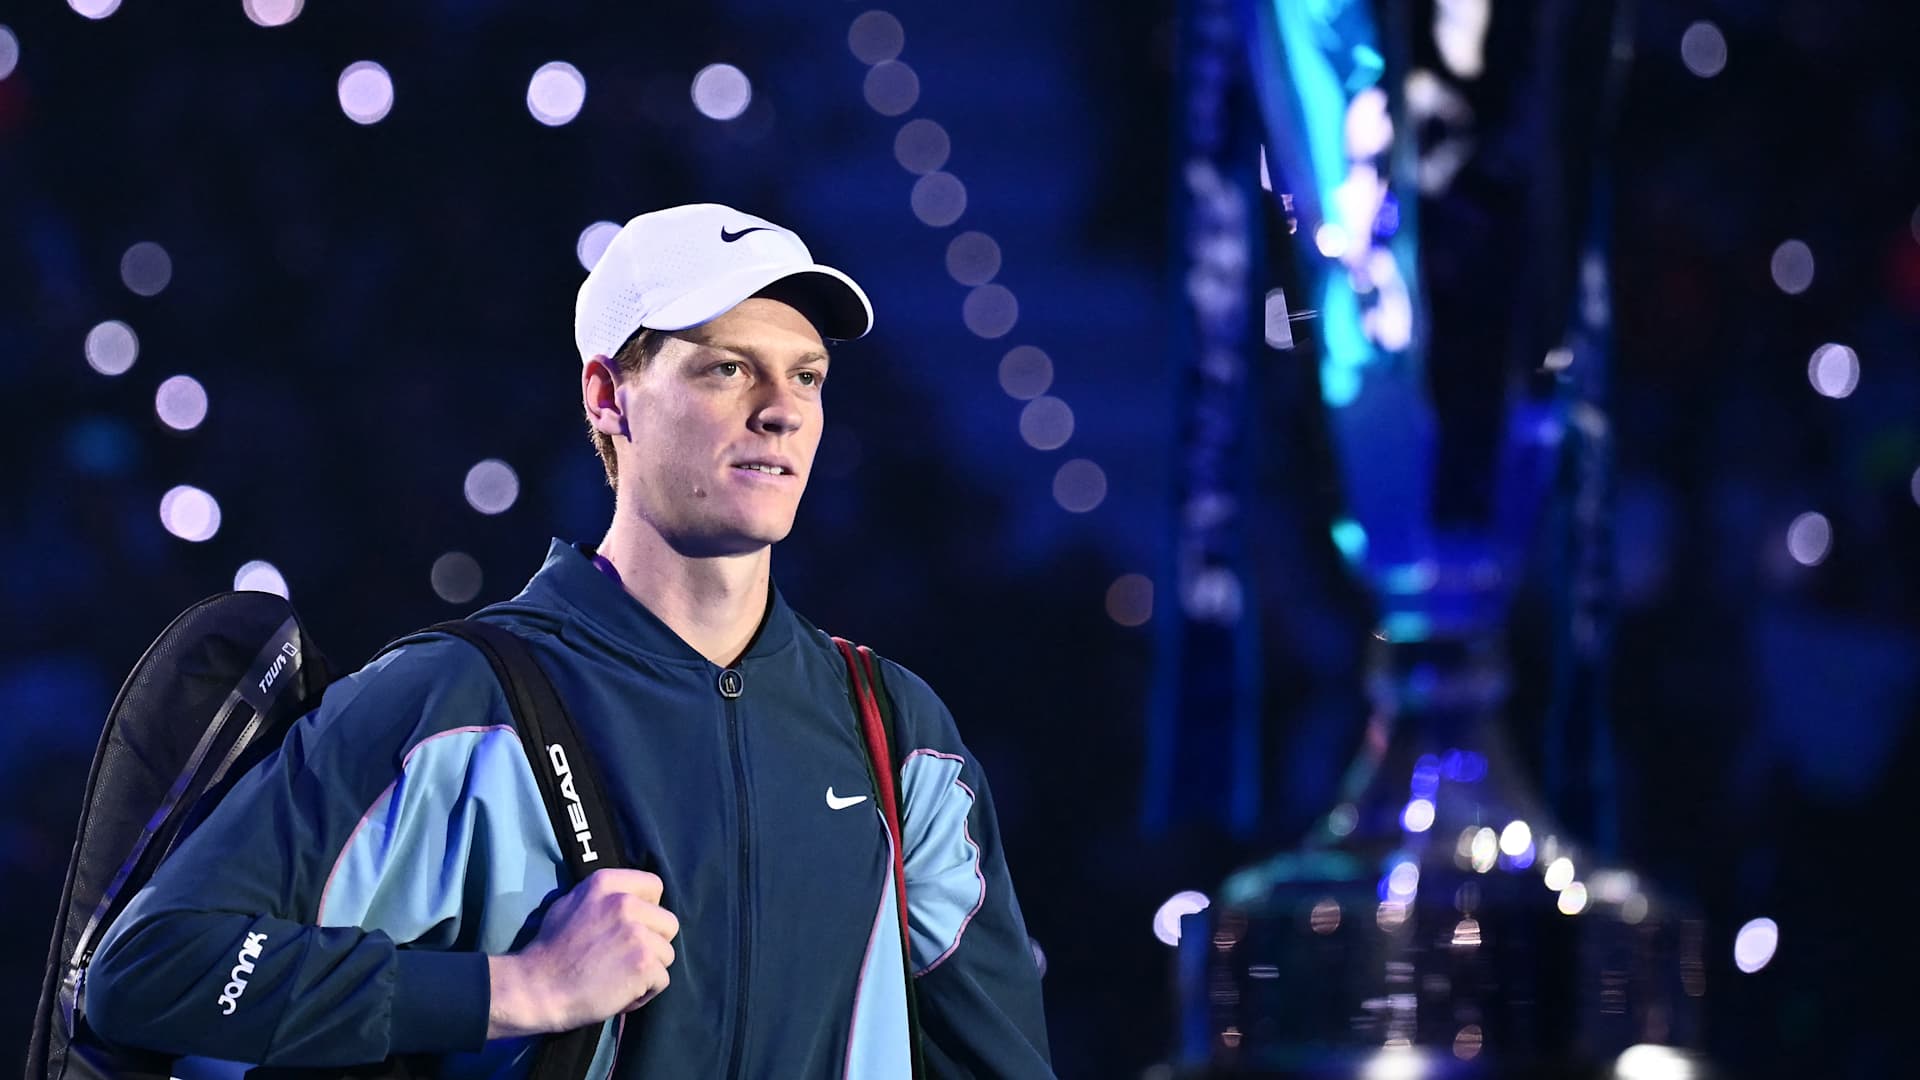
<point x="721" y="429"/>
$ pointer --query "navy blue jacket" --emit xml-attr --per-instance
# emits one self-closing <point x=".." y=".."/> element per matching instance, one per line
<point x="338" y="906"/>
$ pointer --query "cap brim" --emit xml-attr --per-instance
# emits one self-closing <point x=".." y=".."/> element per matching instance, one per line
<point x="837" y="307"/>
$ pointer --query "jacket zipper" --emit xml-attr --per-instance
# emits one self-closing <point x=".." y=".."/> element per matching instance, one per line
<point x="745" y="895"/>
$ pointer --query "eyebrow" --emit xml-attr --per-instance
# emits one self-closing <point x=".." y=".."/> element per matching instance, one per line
<point x="811" y="356"/>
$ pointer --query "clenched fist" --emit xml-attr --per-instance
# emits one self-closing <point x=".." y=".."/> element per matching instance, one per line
<point x="603" y="950"/>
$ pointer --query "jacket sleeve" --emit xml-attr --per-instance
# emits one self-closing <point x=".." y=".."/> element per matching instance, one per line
<point x="225" y="953"/>
<point x="977" y="982"/>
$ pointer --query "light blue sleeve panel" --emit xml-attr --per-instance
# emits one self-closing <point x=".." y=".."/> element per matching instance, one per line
<point x="945" y="888"/>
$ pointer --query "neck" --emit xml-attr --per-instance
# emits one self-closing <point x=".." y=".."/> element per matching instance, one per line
<point x="714" y="603"/>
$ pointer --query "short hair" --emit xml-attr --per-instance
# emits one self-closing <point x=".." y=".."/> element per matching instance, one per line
<point x="628" y="360"/>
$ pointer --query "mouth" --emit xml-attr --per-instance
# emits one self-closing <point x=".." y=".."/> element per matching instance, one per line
<point x="769" y="467"/>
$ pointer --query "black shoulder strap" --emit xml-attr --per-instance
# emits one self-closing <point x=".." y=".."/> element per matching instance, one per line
<point x="570" y="784"/>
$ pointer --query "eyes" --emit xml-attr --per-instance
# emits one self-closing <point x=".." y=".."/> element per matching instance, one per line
<point x="730" y="369"/>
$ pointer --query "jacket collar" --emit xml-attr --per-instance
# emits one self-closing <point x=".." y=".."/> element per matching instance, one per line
<point x="569" y="578"/>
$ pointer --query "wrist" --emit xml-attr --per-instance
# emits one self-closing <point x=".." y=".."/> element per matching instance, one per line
<point x="515" y="1009"/>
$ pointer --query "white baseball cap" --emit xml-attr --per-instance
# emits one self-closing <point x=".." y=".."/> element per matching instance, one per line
<point x="682" y="266"/>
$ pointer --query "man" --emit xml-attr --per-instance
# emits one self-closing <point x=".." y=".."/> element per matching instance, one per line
<point x="378" y="881"/>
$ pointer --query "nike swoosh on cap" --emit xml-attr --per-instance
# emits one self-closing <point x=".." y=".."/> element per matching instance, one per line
<point x="839" y="802"/>
<point x="729" y="237"/>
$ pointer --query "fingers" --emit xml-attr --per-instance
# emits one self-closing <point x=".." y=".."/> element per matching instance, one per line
<point x="638" y="883"/>
<point x="654" y="981"/>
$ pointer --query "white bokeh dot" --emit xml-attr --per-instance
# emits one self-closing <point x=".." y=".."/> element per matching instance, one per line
<point x="990" y="311"/>
<point x="190" y="513"/>
<point x="722" y="91"/>
<point x="181" y="403"/>
<point x="261" y="576"/>
<point x="1025" y="372"/>
<point x="556" y="92"/>
<point x="876" y="37"/>
<point x="1079" y="485"/>
<point x="593" y="242"/>
<point x="1046" y="423"/>
<point x="455" y="577"/>
<point x="492" y="486"/>
<point x="95" y="9"/>
<point x="146" y="268"/>
<point x="1754" y="945"/>
<point x="1834" y="370"/>
<point x="891" y="88"/>
<point x="921" y="146"/>
<point x="1810" y="538"/>
<point x="1130" y="599"/>
<point x="939" y="199"/>
<point x="1913" y="487"/>
<point x="1792" y="267"/>
<point x="1703" y="48"/>
<point x="112" y="347"/>
<point x="973" y="258"/>
<point x="366" y="92"/>
<point x="9" y="52"/>
<point x="272" y="13"/>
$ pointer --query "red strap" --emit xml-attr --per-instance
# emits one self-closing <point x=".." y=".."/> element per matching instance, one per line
<point x="861" y="677"/>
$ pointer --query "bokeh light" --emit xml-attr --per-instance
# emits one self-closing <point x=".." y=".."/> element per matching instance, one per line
<point x="1130" y="599"/>
<point x="456" y="577"/>
<point x="366" y="92"/>
<point x="1913" y="485"/>
<point x="1046" y="423"/>
<point x="1331" y="239"/>
<point x="939" y="199"/>
<point x="1809" y="539"/>
<point x="921" y="146"/>
<point x="1633" y="910"/>
<point x="1325" y="917"/>
<point x="1573" y="899"/>
<point x="9" y="52"/>
<point x="891" y="87"/>
<point x="181" y="403"/>
<point x="1403" y="880"/>
<point x="876" y="37"/>
<point x="1704" y="49"/>
<point x="1166" y="921"/>
<point x="1754" y="945"/>
<point x="990" y="311"/>
<point x="1559" y="873"/>
<point x="556" y="92"/>
<point x="95" y="9"/>
<point x="112" y="347"/>
<point x="593" y="242"/>
<point x="1483" y="850"/>
<point x="973" y="258"/>
<point x="1342" y="819"/>
<point x="1792" y="267"/>
<point x="1026" y="372"/>
<point x="492" y="486"/>
<point x="1651" y="1061"/>
<point x="146" y="268"/>
<point x="721" y="91"/>
<point x="190" y="513"/>
<point x="1418" y="816"/>
<point x="1515" y="838"/>
<point x="260" y="576"/>
<point x="1079" y="486"/>
<point x="272" y="13"/>
<point x="1834" y="370"/>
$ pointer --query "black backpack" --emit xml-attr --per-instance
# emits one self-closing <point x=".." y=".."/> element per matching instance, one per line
<point x="215" y="694"/>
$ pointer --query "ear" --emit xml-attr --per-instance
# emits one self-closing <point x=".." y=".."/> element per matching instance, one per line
<point x="605" y="399"/>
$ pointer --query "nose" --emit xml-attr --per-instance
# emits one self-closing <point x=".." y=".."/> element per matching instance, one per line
<point x="778" y="413"/>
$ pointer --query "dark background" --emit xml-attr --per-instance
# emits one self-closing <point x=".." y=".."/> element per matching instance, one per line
<point x="373" y="309"/>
